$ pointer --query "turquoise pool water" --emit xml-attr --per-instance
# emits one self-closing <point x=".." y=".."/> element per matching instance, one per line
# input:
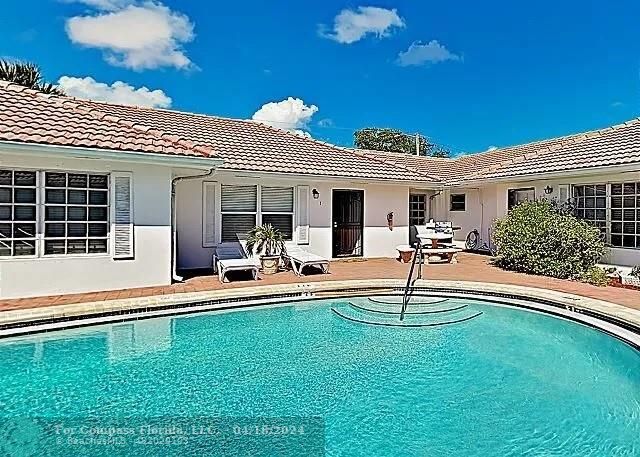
<point x="507" y="383"/>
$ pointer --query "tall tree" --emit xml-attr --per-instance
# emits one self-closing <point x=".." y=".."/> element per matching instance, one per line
<point x="27" y="74"/>
<point x="393" y="140"/>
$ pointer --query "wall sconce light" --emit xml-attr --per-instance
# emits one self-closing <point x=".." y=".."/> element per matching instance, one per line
<point x="548" y="190"/>
<point x="315" y="193"/>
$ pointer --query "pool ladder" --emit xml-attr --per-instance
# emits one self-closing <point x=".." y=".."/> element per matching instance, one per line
<point x="406" y="297"/>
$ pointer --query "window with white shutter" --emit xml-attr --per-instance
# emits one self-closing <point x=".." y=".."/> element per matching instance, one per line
<point x="208" y="214"/>
<point x="277" y="209"/>
<point x="239" y="208"/>
<point x="122" y="215"/>
<point x="52" y="213"/>
<point x="303" y="215"/>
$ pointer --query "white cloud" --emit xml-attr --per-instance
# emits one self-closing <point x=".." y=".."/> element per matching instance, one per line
<point x="420" y="54"/>
<point x="118" y="92"/>
<point x="492" y="148"/>
<point x="350" y="26"/>
<point x="325" y="122"/>
<point x="139" y="37"/>
<point x="290" y="114"/>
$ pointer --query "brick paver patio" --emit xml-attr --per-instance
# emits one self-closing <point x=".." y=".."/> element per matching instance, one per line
<point x="471" y="267"/>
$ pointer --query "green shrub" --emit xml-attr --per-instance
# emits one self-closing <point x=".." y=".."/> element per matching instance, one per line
<point x="596" y="276"/>
<point x="538" y="237"/>
<point x="635" y="271"/>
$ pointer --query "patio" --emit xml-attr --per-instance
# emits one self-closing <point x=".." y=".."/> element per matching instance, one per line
<point x="471" y="267"/>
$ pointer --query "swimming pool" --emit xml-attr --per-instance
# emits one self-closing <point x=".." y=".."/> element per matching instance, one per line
<point x="506" y="382"/>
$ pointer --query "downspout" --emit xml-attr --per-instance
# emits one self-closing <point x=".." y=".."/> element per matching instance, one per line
<point x="431" y="199"/>
<point x="174" y="222"/>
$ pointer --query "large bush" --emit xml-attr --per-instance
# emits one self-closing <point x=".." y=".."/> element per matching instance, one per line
<point x="540" y="238"/>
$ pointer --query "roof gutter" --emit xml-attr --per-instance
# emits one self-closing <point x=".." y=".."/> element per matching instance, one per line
<point x="74" y="152"/>
<point x="250" y="174"/>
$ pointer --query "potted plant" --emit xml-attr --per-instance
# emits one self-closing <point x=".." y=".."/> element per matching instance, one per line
<point x="269" y="243"/>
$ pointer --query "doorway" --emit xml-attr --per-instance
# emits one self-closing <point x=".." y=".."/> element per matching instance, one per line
<point x="348" y="223"/>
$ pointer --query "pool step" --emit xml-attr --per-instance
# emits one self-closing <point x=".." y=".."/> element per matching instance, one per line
<point x="425" y="307"/>
<point x="440" y="315"/>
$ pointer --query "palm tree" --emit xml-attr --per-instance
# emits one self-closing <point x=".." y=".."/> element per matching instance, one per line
<point x="27" y="74"/>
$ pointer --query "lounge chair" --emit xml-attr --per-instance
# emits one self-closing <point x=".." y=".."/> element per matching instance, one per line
<point x="231" y="257"/>
<point x="299" y="258"/>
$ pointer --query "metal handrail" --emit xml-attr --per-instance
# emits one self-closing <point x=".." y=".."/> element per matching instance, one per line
<point x="405" y="297"/>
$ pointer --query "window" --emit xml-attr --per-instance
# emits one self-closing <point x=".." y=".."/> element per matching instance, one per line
<point x="625" y="215"/>
<point x="613" y="208"/>
<point x="590" y="204"/>
<point x="76" y="213"/>
<point x="517" y="196"/>
<point x="417" y="209"/>
<point x="18" y="213"/>
<point x="458" y="202"/>
<point x="277" y="209"/>
<point x="239" y="208"/>
<point x="240" y="212"/>
<point x="71" y="208"/>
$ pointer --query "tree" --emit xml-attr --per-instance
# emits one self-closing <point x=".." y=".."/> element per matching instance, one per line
<point x="27" y="74"/>
<point x="393" y="140"/>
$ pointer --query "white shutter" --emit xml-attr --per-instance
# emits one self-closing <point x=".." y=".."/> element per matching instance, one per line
<point x="277" y="199"/>
<point x="208" y="214"/>
<point x="563" y="193"/>
<point x="239" y="199"/>
<point x="302" y="215"/>
<point x="122" y="215"/>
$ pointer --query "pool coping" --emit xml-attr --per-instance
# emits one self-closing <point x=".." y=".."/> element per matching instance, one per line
<point x="57" y="317"/>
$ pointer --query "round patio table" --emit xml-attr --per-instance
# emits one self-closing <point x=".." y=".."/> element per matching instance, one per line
<point x="435" y="237"/>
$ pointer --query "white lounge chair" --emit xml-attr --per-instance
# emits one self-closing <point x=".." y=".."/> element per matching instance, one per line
<point x="299" y="258"/>
<point x="231" y="257"/>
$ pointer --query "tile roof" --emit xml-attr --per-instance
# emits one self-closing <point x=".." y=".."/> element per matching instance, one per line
<point x="28" y="116"/>
<point x="615" y="145"/>
<point x="251" y="146"/>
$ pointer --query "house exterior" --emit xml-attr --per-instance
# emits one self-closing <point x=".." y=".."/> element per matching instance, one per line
<point x="95" y="196"/>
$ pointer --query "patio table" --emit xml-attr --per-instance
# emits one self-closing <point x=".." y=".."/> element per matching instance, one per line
<point x="435" y="237"/>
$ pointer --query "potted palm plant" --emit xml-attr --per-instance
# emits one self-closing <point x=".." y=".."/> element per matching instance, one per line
<point x="269" y="243"/>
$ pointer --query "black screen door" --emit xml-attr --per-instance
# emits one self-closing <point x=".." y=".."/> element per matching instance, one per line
<point x="348" y="216"/>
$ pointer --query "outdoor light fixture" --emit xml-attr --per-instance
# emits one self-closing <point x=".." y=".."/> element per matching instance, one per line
<point x="548" y="190"/>
<point x="316" y="194"/>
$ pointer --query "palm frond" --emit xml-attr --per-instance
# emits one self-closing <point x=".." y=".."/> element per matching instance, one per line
<point x="27" y="74"/>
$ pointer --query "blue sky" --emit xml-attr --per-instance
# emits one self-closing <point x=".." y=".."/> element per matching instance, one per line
<point x="479" y="74"/>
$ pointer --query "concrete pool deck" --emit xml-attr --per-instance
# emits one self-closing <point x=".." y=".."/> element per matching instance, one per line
<point x="473" y="275"/>
<point x="471" y="267"/>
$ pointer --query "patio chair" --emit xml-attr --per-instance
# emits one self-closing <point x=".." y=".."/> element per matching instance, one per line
<point x="299" y="258"/>
<point x="232" y="257"/>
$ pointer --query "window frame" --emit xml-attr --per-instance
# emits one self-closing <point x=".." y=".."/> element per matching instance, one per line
<point x="258" y="214"/>
<point x="413" y="209"/>
<point x="40" y="223"/>
<point x="12" y="221"/>
<point x="515" y="191"/>
<point x="291" y="214"/>
<point x="607" y="228"/>
<point x="451" y="207"/>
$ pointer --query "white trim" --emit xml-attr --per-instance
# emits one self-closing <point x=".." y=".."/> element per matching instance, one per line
<point x="115" y="155"/>
<point x="209" y="239"/>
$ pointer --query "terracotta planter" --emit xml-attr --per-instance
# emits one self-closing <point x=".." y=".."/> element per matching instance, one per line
<point x="406" y="256"/>
<point x="270" y="264"/>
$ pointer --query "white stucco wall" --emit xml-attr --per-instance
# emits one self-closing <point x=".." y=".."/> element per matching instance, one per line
<point x="379" y="200"/>
<point x="151" y="265"/>
<point x="490" y="202"/>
